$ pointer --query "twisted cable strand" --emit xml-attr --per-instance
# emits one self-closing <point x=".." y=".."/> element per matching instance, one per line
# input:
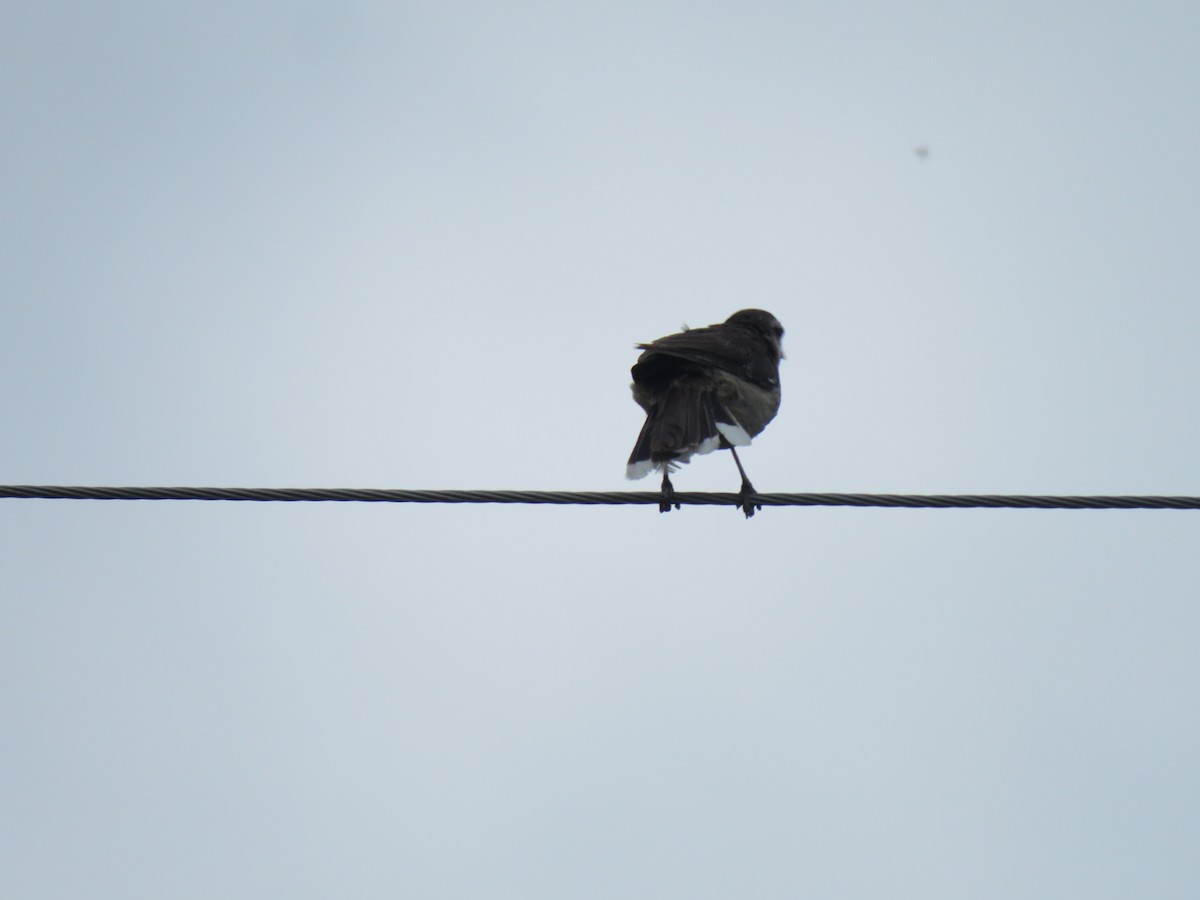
<point x="594" y="498"/>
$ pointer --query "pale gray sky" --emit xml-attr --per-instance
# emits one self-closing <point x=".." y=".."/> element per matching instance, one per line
<point x="413" y="245"/>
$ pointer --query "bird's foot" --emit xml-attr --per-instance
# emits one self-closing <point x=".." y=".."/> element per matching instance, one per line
<point x="668" y="495"/>
<point x="744" y="495"/>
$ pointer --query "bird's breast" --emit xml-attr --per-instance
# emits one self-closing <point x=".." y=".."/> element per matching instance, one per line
<point x="751" y="405"/>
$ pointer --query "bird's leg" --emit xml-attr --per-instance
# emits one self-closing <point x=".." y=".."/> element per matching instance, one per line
<point x="747" y="490"/>
<point x="668" y="493"/>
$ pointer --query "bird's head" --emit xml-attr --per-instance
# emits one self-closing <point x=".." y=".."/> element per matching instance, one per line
<point x="762" y="322"/>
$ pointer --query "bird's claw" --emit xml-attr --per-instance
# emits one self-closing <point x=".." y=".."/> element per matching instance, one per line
<point x="668" y="496"/>
<point x="744" y="502"/>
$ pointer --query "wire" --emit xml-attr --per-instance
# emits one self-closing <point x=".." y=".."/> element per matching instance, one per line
<point x="593" y="498"/>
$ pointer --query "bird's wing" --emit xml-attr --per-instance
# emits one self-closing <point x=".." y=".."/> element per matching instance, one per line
<point x="714" y="347"/>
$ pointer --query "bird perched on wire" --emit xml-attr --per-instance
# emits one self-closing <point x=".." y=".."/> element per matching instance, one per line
<point x="706" y="389"/>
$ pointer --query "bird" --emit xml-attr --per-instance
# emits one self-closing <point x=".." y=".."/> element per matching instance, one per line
<point x="705" y="389"/>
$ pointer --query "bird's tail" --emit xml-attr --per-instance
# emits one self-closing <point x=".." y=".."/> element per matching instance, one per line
<point x="688" y="419"/>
